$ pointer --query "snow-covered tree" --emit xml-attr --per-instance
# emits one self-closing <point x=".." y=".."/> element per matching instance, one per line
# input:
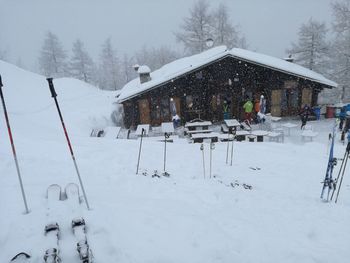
<point x="341" y="46"/>
<point x="52" y="59"/>
<point x="311" y="51"/>
<point x="81" y="64"/>
<point x="109" y="68"/>
<point x="196" y="28"/>
<point x="127" y="71"/>
<point x="225" y="33"/>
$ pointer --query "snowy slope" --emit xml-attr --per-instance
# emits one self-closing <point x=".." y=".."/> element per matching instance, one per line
<point x="184" y="218"/>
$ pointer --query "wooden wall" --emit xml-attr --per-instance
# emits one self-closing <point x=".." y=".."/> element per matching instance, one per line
<point x="202" y="93"/>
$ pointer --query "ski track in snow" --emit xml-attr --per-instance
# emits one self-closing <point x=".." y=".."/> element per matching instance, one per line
<point x="184" y="218"/>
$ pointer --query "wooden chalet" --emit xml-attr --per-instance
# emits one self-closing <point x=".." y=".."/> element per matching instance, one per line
<point x="200" y="85"/>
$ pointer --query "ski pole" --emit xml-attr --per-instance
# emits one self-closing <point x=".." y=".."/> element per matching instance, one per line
<point x="165" y="137"/>
<point x="340" y="170"/>
<point x="13" y="147"/>
<point x="228" y="145"/>
<point x="202" y="149"/>
<point x="342" y="176"/>
<point x="54" y="96"/>
<point x="233" y="137"/>
<point x="138" y="160"/>
<point x="212" y="147"/>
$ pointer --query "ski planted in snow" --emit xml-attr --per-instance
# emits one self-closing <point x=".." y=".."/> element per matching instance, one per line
<point x="52" y="230"/>
<point x="328" y="182"/>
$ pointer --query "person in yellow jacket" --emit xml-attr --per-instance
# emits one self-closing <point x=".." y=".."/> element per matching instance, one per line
<point x="248" y="108"/>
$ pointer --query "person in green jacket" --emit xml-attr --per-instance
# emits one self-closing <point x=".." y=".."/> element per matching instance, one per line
<point x="248" y="108"/>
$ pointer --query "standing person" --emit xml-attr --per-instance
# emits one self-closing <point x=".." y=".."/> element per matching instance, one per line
<point x="262" y="105"/>
<point x="226" y="110"/>
<point x="304" y="115"/>
<point x="257" y="109"/>
<point x="342" y="116"/>
<point x="248" y="108"/>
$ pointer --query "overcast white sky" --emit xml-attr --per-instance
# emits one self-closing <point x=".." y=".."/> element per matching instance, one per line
<point x="269" y="25"/>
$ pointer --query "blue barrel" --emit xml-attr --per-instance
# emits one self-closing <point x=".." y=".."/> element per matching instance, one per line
<point x="317" y="111"/>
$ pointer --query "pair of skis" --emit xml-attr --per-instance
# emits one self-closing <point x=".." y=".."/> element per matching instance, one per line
<point x="329" y="183"/>
<point x="52" y="230"/>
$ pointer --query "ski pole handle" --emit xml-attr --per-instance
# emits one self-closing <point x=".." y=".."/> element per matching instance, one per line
<point x="52" y="88"/>
<point x="0" y="82"/>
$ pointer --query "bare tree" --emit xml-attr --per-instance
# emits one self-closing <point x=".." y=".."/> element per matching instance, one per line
<point x="155" y="57"/>
<point x="81" y="64"/>
<point x="52" y="59"/>
<point x="127" y="72"/>
<point x="225" y="33"/>
<point x="311" y="50"/>
<point x="196" y="28"/>
<point x="109" y="73"/>
<point x="341" y="47"/>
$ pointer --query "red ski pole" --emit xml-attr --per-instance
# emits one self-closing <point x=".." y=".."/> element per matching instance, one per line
<point x="54" y="95"/>
<point x="13" y="147"/>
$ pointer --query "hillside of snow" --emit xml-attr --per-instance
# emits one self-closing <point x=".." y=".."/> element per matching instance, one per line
<point x="183" y="218"/>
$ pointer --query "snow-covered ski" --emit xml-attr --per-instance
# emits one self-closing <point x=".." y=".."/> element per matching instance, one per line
<point x="78" y="224"/>
<point x="52" y="230"/>
<point x="21" y="258"/>
<point x="328" y="180"/>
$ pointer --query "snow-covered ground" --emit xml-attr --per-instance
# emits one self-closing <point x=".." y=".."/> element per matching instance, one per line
<point x="184" y="218"/>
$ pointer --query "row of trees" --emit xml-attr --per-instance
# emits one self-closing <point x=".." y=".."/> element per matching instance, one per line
<point x="112" y="71"/>
<point x="327" y="50"/>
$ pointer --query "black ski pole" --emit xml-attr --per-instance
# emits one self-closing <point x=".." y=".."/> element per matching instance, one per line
<point x="13" y="147"/>
<point x="233" y="138"/>
<point x="138" y="160"/>
<point x="344" y="168"/>
<point x="165" y="138"/>
<point x="54" y="96"/>
<point x="339" y="173"/>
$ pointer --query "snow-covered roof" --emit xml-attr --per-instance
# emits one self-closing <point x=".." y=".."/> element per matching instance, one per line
<point x="184" y="65"/>
<point x="144" y="70"/>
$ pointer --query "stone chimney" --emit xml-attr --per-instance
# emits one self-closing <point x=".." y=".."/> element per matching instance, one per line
<point x="144" y="73"/>
<point x="289" y="59"/>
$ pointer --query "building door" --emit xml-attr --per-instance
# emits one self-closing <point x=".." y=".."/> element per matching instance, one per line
<point x="144" y="111"/>
<point x="306" y="98"/>
<point x="177" y="105"/>
<point x="276" y="103"/>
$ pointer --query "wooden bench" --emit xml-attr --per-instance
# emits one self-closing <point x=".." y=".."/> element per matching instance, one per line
<point x="199" y="137"/>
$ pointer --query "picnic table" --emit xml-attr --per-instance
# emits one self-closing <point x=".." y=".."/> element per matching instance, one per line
<point x="168" y="127"/>
<point x="199" y="137"/>
<point x="241" y="135"/>
<point x="145" y="127"/>
<point x="260" y="135"/>
<point x="198" y="124"/>
<point x="232" y="124"/>
<point x="289" y="126"/>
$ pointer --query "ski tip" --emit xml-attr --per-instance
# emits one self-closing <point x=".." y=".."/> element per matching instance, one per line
<point x="21" y="255"/>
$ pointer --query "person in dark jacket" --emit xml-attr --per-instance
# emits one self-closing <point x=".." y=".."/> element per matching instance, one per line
<point x="304" y="115"/>
<point x="342" y="116"/>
